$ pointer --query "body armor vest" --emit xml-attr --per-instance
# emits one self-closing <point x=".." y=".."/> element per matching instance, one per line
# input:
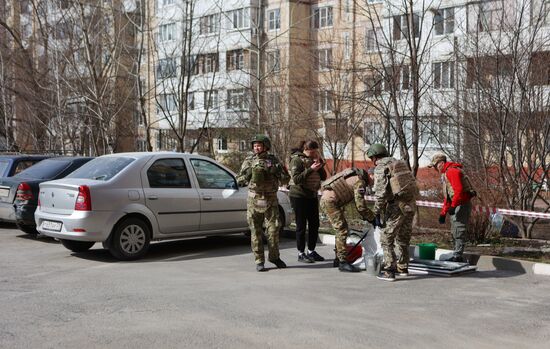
<point x="340" y="187"/>
<point x="263" y="181"/>
<point x="402" y="182"/>
<point x="467" y="187"/>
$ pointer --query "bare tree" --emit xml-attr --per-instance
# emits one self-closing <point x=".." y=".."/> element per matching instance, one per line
<point x="504" y="104"/>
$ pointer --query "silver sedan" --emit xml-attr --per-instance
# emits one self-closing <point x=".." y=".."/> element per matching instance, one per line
<point x="127" y="200"/>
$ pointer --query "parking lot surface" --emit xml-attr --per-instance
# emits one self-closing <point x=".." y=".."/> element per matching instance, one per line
<point x="205" y="293"/>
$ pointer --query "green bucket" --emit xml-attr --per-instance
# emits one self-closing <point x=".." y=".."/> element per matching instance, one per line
<point x="427" y="251"/>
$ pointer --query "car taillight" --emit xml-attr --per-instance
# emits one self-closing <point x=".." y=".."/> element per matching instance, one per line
<point x="83" y="200"/>
<point x="24" y="192"/>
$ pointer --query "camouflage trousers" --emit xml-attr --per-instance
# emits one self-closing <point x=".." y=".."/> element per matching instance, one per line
<point x="399" y="218"/>
<point x="459" y="225"/>
<point x="337" y="219"/>
<point x="260" y="209"/>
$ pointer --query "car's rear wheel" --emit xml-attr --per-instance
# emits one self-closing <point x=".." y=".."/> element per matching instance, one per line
<point x="31" y="230"/>
<point x="130" y="240"/>
<point x="77" y="246"/>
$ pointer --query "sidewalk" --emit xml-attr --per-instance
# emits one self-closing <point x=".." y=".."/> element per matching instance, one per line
<point x="483" y="262"/>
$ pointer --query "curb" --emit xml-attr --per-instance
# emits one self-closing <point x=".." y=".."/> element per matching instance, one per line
<point x="482" y="261"/>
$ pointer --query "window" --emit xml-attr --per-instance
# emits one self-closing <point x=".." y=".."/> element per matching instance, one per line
<point x="102" y="168"/>
<point x="239" y="18"/>
<point x="274" y="19"/>
<point x="322" y="17"/>
<point x="209" y="24"/>
<point x="46" y="169"/>
<point x="166" y="68"/>
<point x="373" y="132"/>
<point x="167" y="32"/>
<point x="211" y="176"/>
<point x="166" y="103"/>
<point x="444" y="21"/>
<point x="443" y="75"/>
<point x="210" y="99"/>
<point x="273" y="64"/>
<point x="540" y="69"/>
<point x="162" y="3"/>
<point x="324" y="59"/>
<point x="405" y="77"/>
<point x="347" y="46"/>
<point x="208" y="63"/>
<point x="374" y="37"/>
<point x="190" y="100"/>
<point x="546" y="12"/>
<point x="235" y="60"/>
<point x="220" y="144"/>
<point x="168" y="173"/>
<point x="23" y="165"/>
<point x="166" y="141"/>
<point x="374" y="85"/>
<point x="243" y="145"/>
<point x="323" y="101"/>
<point x="347" y="6"/>
<point x="141" y="145"/>
<point x="436" y="130"/>
<point x="237" y="99"/>
<point x="491" y="13"/>
<point x="401" y="26"/>
<point x="273" y="101"/>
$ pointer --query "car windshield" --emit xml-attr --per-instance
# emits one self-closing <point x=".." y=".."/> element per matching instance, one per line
<point x="3" y="167"/>
<point x="46" y="169"/>
<point x="101" y="169"/>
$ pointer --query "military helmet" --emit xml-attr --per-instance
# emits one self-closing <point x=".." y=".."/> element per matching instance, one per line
<point x="378" y="150"/>
<point x="262" y="139"/>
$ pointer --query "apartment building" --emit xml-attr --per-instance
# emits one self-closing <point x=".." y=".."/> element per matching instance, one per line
<point x="68" y="79"/>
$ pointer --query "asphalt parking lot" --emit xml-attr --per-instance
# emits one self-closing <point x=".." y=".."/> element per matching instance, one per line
<point x="205" y="293"/>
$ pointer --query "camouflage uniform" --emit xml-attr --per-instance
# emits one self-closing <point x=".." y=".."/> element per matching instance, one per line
<point x="263" y="173"/>
<point x="333" y="206"/>
<point x="398" y="215"/>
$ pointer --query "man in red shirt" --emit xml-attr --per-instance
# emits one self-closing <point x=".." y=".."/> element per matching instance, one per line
<point x="457" y="192"/>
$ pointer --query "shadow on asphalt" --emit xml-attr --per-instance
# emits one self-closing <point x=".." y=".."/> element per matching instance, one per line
<point x="6" y="225"/>
<point x="494" y="274"/>
<point x="39" y="238"/>
<point x="182" y="250"/>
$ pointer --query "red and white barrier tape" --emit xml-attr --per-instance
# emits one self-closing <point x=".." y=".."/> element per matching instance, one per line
<point x="479" y="209"/>
<point x="484" y="209"/>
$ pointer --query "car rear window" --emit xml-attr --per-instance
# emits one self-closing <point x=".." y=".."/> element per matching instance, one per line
<point x="3" y="167"/>
<point x="101" y="169"/>
<point x="45" y="169"/>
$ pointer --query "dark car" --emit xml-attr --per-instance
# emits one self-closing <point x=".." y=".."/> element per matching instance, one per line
<point x="19" y="194"/>
<point x="11" y="165"/>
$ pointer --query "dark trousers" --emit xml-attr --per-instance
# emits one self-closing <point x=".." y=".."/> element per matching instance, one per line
<point x="307" y="213"/>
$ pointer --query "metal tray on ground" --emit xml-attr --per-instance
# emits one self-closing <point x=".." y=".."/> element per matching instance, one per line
<point x="421" y="266"/>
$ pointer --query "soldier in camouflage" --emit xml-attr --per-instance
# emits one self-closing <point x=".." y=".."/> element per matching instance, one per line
<point x="395" y="190"/>
<point x="339" y="190"/>
<point x="263" y="173"/>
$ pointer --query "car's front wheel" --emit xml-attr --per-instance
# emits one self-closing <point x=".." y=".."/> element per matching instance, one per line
<point x="130" y="240"/>
<point x="77" y="246"/>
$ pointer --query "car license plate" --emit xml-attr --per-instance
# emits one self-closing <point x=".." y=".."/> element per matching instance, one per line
<point x="4" y="192"/>
<point x="50" y="225"/>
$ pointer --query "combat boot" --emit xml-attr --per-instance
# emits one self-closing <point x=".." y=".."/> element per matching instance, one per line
<point x="386" y="275"/>
<point x="345" y="266"/>
<point x="260" y="267"/>
<point x="335" y="263"/>
<point x="279" y="263"/>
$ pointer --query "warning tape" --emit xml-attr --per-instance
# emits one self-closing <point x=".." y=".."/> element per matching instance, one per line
<point x="484" y="209"/>
<point x="478" y="209"/>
